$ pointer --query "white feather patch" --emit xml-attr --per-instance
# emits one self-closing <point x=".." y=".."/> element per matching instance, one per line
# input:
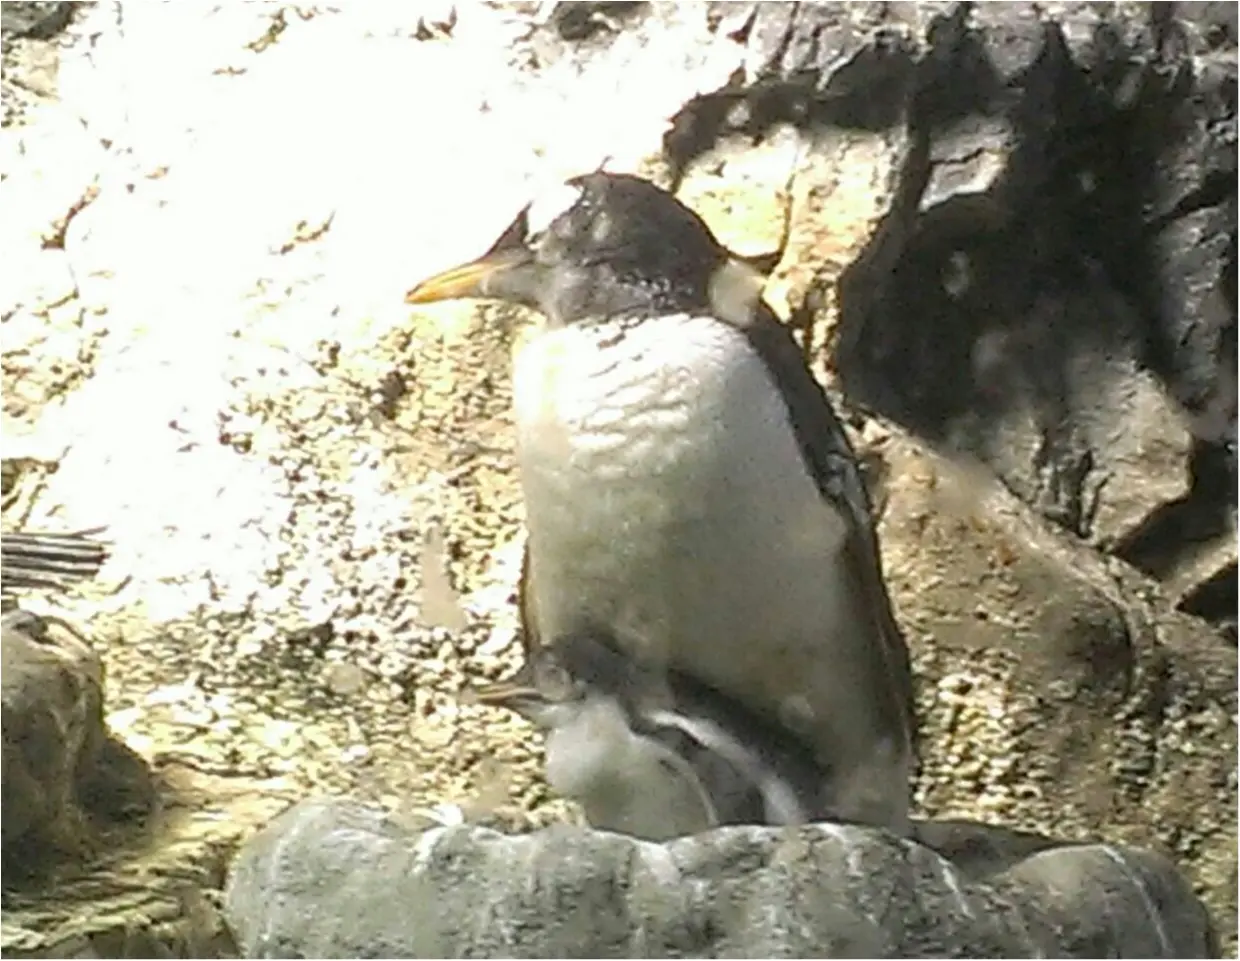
<point x="548" y="204"/>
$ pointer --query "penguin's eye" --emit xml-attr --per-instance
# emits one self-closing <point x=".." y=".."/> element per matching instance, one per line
<point x="556" y="683"/>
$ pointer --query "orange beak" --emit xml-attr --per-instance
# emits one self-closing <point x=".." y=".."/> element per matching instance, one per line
<point x="474" y="279"/>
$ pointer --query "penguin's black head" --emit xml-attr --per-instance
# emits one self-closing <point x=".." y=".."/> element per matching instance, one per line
<point x="600" y="245"/>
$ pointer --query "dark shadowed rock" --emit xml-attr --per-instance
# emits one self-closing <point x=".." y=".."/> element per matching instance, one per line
<point x="1057" y="296"/>
<point x="330" y="878"/>
<point x="64" y="778"/>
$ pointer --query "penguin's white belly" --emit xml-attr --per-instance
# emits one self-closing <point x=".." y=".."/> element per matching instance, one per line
<point x="667" y="500"/>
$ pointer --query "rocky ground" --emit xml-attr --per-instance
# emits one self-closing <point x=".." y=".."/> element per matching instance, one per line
<point x="210" y="216"/>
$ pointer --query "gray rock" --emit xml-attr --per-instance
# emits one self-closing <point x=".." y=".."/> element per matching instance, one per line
<point x="330" y="878"/>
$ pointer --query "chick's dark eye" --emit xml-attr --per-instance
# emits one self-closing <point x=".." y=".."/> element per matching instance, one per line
<point x="555" y="682"/>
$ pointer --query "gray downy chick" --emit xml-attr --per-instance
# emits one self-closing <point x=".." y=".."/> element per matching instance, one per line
<point x="652" y="753"/>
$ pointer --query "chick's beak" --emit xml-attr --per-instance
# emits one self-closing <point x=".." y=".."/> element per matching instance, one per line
<point x="503" y="693"/>
<point x="491" y="275"/>
<point x="514" y="695"/>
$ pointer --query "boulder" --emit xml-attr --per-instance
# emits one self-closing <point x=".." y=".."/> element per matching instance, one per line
<point x="329" y="878"/>
<point x="65" y="779"/>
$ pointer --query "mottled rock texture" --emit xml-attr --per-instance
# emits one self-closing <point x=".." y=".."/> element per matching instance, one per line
<point x="1006" y="233"/>
<point x="66" y="780"/>
<point x="330" y="879"/>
